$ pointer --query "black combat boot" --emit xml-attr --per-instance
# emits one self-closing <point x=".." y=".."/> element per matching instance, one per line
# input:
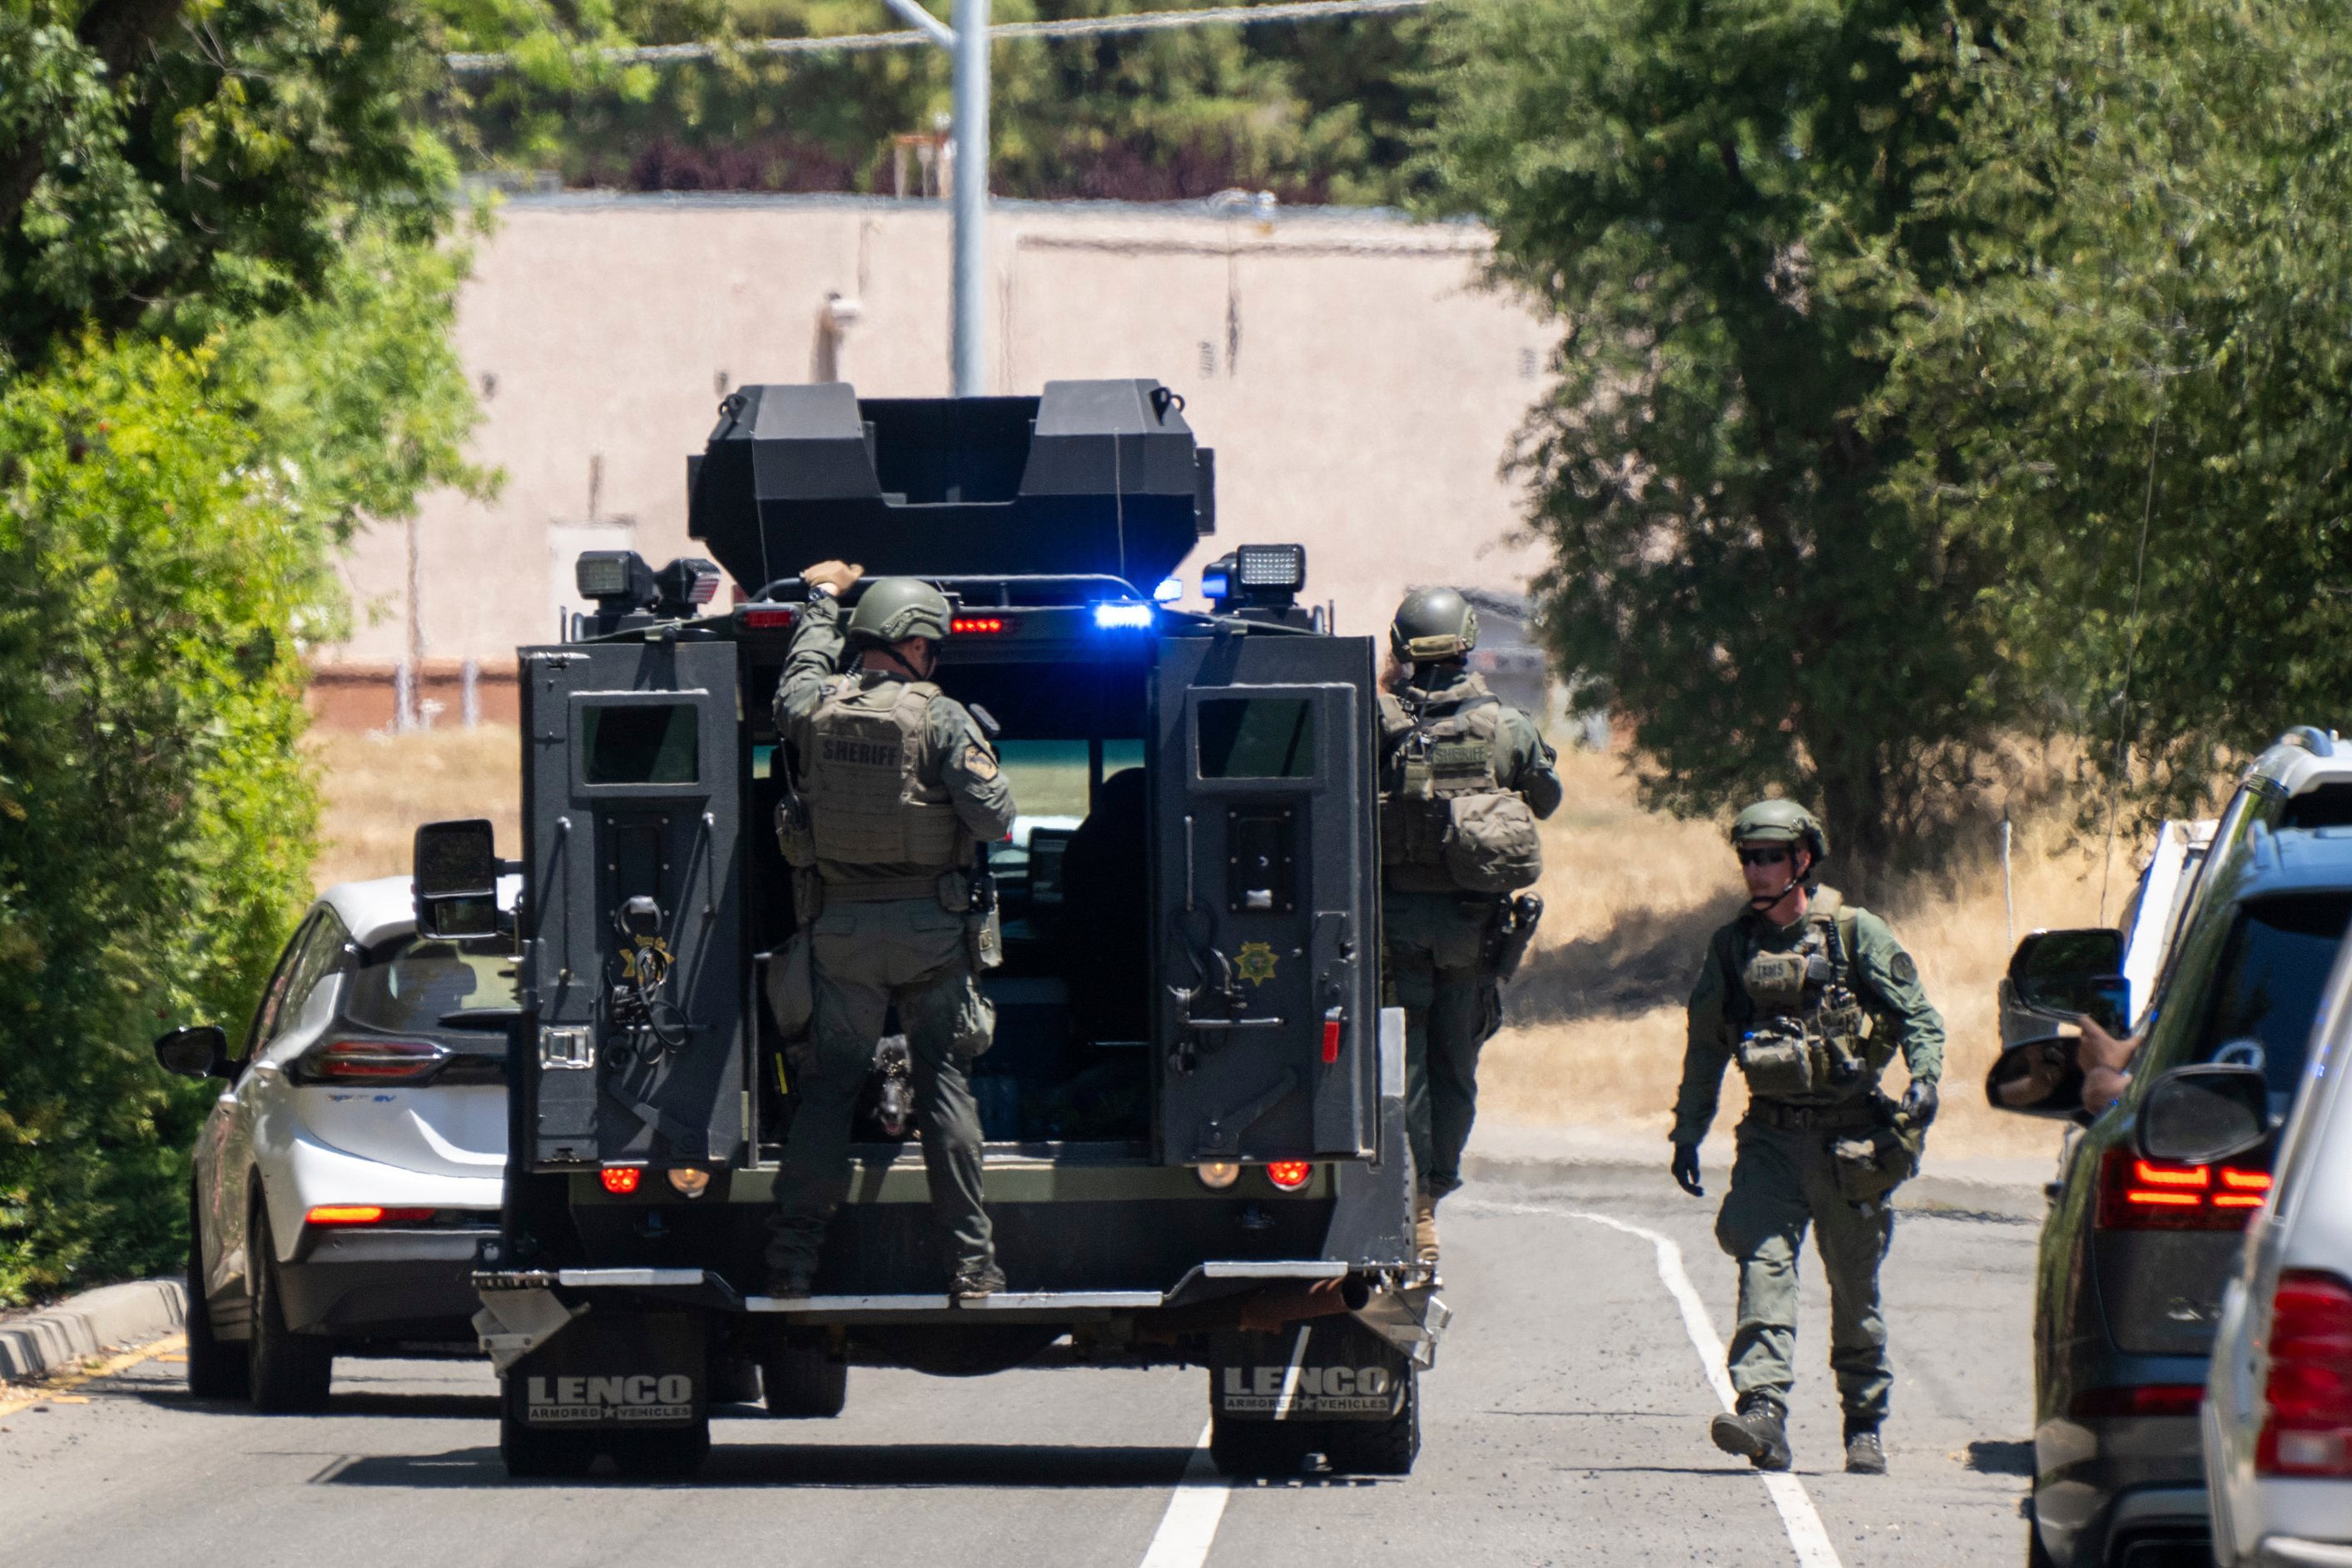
<point x="1758" y="1433"/>
<point x="976" y="1281"/>
<point x="1864" y="1454"/>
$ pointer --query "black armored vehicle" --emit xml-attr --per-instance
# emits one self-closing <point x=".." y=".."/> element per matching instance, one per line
<point x="1193" y="1106"/>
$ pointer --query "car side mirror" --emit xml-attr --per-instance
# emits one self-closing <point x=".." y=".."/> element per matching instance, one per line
<point x="456" y="878"/>
<point x="2075" y="971"/>
<point x="2038" y="1077"/>
<point x="2196" y="1115"/>
<point x="199" y="1051"/>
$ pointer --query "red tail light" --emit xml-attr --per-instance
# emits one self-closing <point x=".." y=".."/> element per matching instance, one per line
<point x="365" y="1213"/>
<point x="1332" y="1022"/>
<point x="2156" y="1195"/>
<point x="983" y="626"/>
<point x="2308" y="1428"/>
<point x="2146" y="1399"/>
<point x="1289" y="1174"/>
<point x="765" y="619"/>
<point x="369" y="1061"/>
<point x="622" y="1180"/>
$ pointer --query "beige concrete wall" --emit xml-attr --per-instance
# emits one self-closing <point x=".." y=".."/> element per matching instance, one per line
<point x="1358" y="386"/>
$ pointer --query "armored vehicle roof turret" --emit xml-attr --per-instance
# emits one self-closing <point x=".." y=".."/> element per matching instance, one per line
<point x="1093" y="477"/>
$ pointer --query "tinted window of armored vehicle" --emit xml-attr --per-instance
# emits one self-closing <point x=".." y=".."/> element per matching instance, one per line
<point x="2277" y="965"/>
<point x="428" y="978"/>
<point x="1257" y="738"/>
<point x="640" y="745"/>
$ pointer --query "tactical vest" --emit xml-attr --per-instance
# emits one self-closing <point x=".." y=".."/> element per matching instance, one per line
<point x="1807" y="1037"/>
<point x="1446" y="822"/>
<point x="865" y="758"/>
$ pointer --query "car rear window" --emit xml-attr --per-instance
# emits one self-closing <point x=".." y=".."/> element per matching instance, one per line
<point x="428" y="978"/>
<point x="2268" y="990"/>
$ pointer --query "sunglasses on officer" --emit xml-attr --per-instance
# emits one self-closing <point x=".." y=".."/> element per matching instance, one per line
<point x="1769" y="855"/>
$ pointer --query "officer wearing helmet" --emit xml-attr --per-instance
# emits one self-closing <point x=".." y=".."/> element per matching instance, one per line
<point x="1813" y="997"/>
<point x="1463" y="779"/>
<point x="892" y="782"/>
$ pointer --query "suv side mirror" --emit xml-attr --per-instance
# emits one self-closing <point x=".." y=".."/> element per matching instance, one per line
<point x="456" y="878"/>
<point x="2038" y="1077"/>
<point x="2195" y="1115"/>
<point x="199" y="1051"/>
<point x="2074" y="971"/>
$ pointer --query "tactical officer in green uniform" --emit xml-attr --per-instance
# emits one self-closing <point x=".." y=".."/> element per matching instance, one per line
<point x="1463" y="779"/>
<point x="1813" y="997"/>
<point x="893" y="784"/>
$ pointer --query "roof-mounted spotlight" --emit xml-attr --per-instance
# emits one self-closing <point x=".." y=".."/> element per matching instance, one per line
<point x="685" y="585"/>
<point x="618" y="580"/>
<point x="1258" y="580"/>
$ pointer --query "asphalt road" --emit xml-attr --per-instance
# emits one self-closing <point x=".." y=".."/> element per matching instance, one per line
<point x="1565" y="1423"/>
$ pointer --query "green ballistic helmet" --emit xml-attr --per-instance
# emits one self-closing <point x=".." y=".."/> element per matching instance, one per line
<point x="1432" y="624"/>
<point x="892" y="608"/>
<point x="1781" y="822"/>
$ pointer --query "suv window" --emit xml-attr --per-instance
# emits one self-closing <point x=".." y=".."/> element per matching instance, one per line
<point x="2267" y="990"/>
<point x="281" y="980"/>
<point x="426" y="977"/>
<point x="2329" y="806"/>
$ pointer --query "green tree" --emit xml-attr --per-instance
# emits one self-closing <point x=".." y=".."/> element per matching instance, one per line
<point x="2126" y="377"/>
<point x="1687" y="188"/>
<point x="226" y="282"/>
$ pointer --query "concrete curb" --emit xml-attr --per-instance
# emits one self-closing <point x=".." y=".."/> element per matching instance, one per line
<point x="84" y="1325"/>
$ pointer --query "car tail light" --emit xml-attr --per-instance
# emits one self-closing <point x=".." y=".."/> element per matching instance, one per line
<point x="2157" y="1194"/>
<point x="983" y="626"/>
<point x="1289" y="1174"/>
<point x="2307" y="1429"/>
<point x="2146" y="1399"/>
<point x="621" y="1180"/>
<point x="366" y="1214"/>
<point x="370" y="1061"/>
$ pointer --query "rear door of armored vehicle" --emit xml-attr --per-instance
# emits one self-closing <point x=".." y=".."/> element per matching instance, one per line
<point x="1265" y="898"/>
<point x="636" y="978"/>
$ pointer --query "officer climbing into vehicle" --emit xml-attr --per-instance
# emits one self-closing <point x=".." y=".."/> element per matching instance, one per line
<point x="1464" y="776"/>
<point x="1813" y="997"/>
<point x="892" y="785"/>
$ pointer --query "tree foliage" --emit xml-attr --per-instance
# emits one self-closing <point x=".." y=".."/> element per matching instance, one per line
<point x="227" y="283"/>
<point x="1690" y="188"/>
<point x="2125" y="376"/>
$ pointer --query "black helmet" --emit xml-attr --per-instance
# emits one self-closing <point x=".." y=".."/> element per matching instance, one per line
<point x="1433" y="625"/>
<point x="1783" y="822"/>
<point x="893" y="608"/>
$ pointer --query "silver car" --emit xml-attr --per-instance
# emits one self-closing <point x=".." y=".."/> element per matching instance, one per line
<point x="2277" y="1417"/>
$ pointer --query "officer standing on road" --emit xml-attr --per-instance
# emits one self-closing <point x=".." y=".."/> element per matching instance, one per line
<point x="1463" y="778"/>
<point x="895" y="783"/>
<point x="1813" y="997"/>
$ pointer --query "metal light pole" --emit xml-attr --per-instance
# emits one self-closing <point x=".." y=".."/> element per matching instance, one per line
<point x="970" y="289"/>
<point x="966" y="45"/>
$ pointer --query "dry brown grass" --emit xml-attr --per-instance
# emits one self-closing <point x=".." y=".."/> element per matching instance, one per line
<point x="379" y="788"/>
<point x="1631" y="896"/>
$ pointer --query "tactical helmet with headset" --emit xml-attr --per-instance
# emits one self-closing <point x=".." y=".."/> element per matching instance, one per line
<point x="894" y="608"/>
<point x="1433" y="625"/>
<point x="1783" y="822"/>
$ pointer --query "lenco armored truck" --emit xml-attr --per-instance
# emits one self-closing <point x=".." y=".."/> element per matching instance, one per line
<point x="1193" y="1106"/>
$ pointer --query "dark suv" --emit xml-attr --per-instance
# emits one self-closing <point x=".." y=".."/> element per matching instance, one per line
<point x="2136" y="1250"/>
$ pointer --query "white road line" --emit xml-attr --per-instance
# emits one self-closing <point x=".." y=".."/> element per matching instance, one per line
<point x="1190" y="1525"/>
<point x="1806" y="1535"/>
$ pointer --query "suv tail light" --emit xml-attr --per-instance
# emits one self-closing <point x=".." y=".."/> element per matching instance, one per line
<point x="366" y="1214"/>
<point x="2142" y="1399"/>
<point x="2307" y="1429"/>
<point x="2157" y="1194"/>
<point x="369" y="1061"/>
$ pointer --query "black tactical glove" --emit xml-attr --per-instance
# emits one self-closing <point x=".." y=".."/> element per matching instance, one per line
<point x="1918" y="1106"/>
<point x="1686" y="1169"/>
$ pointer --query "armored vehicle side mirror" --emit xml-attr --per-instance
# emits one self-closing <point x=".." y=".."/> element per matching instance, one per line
<point x="2074" y="971"/>
<point x="2038" y="1077"/>
<point x="456" y="878"/>
<point x="2196" y="1115"/>
<point x="199" y="1051"/>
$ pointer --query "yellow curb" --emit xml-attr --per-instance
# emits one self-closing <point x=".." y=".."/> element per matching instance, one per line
<point x="52" y="1390"/>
